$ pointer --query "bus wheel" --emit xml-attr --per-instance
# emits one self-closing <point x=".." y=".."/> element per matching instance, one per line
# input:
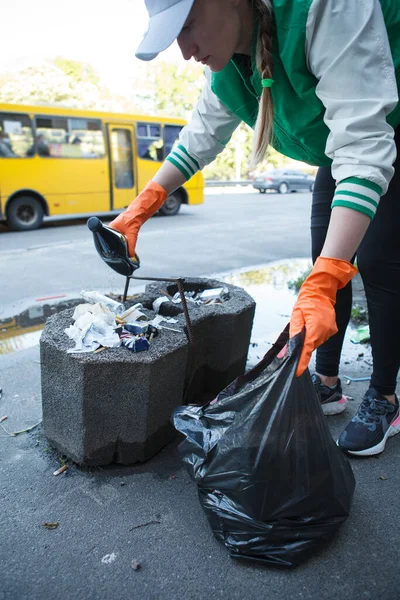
<point x="171" y="206"/>
<point x="24" y="213"/>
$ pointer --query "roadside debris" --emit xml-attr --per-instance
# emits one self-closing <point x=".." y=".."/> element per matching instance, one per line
<point x="51" y="525"/>
<point x="361" y="335"/>
<point x="60" y="470"/>
<point x="136" y="565"/>
<point x="109" y="558"/>
<point x="15" y="433"/>
<point x="355" y="379"/>
<point x="144" y="525"/>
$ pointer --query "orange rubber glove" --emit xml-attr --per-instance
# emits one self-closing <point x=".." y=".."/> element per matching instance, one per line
<point x="314" y="308"/>
<point x="150" y="199"/>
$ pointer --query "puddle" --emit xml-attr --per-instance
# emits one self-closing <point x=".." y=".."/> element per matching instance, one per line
<point x="274" y="303"/>
<point x="23" y="331"/>
<point x="268" y="285"/>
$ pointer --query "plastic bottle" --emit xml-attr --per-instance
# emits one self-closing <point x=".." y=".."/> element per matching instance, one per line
<point x="94" y="297"/>
<point x="112" y="247"/>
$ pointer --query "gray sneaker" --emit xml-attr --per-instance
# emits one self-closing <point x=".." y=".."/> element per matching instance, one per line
<point x="331" y="398"/>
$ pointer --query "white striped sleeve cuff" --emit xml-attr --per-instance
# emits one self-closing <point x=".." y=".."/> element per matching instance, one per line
<point x="359" y="194"/>
<point x="181" y="158"/>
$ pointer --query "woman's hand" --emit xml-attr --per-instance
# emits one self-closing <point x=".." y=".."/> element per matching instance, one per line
<point x="315" y="304"/>
<point x="150" y="199"/>
<point x="167" y="179"/>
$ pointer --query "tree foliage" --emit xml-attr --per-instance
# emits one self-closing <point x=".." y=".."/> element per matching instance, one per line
<point x="60" y="82"/>
<point x="169" y="89"/>
<point x="173" y="89"/>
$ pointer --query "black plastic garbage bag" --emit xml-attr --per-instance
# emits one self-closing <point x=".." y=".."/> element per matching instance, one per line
<point x="273" y="483"/>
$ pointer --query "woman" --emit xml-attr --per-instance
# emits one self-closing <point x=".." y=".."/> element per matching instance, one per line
<point x="317" y="79"/>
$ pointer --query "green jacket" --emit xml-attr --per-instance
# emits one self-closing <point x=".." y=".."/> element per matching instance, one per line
<point x="336" y="75"/>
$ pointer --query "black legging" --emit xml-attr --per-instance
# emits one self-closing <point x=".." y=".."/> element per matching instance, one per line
<point x="378" y="261"/>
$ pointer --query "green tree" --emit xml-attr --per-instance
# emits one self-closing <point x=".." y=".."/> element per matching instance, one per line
<point x="61" y="81"/>
<point x="173" y="89"/>
<point x="169" y="89"/>
<point x="78" y="71"/>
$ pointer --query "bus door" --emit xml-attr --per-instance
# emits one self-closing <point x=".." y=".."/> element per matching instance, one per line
<point x="123" y="185"/>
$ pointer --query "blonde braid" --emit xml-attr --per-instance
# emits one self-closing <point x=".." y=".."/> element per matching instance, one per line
<point x="264" y="125"/>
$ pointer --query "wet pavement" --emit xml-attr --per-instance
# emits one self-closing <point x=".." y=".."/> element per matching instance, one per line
<point x="269" y="285"/>
<point x="271" y="288"/>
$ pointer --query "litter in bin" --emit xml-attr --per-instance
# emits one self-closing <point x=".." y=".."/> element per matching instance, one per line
<point x="93" y="327"/>
<point x="135" y="343"/>
<point x="157" y="303"/>
<point x="213" y="295"/>
<point x="210" y="296"/>
<point x="95" y="297"/>
<point x="96" y="327"/>
<point x="133" y="314"/>
<point x="137" y="328"/>
<point x="361" y="336"/>
<point x="274" y="485"/>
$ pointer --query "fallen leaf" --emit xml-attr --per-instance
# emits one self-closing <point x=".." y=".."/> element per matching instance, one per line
<point x="51" y="525"/>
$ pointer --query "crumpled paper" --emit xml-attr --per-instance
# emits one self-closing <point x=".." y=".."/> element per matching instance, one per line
<point x="94" y="327"/>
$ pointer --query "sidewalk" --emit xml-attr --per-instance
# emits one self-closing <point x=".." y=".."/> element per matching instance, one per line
<point x="150" y="513"/>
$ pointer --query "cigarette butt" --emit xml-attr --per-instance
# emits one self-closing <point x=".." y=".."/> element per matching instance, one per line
<point x="3" y="418"/>
<point x="151" y="337"/>
<point x="100" y="349"/>
<point x="60" y="470"/>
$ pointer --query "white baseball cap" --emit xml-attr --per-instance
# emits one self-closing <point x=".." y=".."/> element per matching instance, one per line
<point x="167" y="17"/>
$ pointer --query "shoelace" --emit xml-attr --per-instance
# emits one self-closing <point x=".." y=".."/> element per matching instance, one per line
<point x="370" y="411"/>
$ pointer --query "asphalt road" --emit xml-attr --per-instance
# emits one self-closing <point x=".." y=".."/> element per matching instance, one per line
<point x="150" y="512"/>
<point x="230" y="230"/>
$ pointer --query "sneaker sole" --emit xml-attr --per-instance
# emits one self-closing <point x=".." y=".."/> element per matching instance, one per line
<point x="393" y="430"/>
<point x="334" y="408"/>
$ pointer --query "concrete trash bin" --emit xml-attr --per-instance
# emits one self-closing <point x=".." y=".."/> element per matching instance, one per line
<point x="115" y="406"/>
<point x="222" y="336"/>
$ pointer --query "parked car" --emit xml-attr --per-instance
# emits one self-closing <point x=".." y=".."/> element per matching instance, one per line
<point x="284" y="181"/>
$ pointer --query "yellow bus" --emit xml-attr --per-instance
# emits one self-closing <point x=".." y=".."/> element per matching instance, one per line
<point x="60" y="161"/>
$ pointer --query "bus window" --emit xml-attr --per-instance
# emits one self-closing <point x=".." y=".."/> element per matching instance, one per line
<point x="121" y="151"/>
<point x="16" y="137"/>
<point x="171" y="134"/>
<point x="150" y="142"/>
<point x="60" y="137"/>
